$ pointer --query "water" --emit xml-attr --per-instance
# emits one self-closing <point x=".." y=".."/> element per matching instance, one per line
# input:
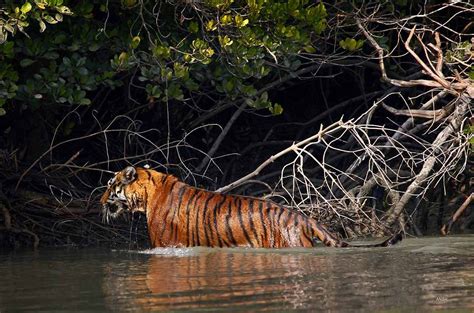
<point x="417" y="275"/>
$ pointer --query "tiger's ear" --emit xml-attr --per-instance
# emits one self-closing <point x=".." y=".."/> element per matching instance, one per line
<point x="129" y="175"/>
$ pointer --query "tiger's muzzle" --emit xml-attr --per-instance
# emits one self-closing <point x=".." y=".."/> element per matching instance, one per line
<point x="112" y="209"/>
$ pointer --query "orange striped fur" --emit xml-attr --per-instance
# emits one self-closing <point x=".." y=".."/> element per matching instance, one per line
<point x="181" y="215"/>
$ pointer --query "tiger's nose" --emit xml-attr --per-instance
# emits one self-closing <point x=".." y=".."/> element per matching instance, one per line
<point x="111" y="208"/>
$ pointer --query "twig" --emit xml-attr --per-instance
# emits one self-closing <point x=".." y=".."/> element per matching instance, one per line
<point x="440" y="80"/>
<point x="432" y="114"/>
<point x="221" y="137"/>
<point x="59" y="166"/>
<point x="328" y="130"/>
<point x="447" y="227"/>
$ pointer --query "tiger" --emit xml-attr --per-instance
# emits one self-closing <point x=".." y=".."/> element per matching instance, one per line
<point x="180" y="215"/>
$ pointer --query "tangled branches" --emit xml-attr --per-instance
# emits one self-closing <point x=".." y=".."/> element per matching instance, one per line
<point x="367" y="175"/>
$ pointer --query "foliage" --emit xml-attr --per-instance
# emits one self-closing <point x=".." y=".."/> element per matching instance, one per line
<point x="221" y="49"/>
<point x="351" y="44"/>
<point x="57" y="67"/>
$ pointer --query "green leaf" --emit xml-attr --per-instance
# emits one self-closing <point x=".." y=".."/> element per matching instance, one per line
<point x="276" y="109"/>
<point x="94" y="47"/>
<point x="180" y="71"/>
<point x="64" y="10"/>
<point x="153" y="90"/>
<point x="351" y="44"/>
<point x="211" y="25"/>
<point x="85" y="101"/>
<point x="161" y="52"/>
<point x="26" y="62"/>
<point x="225" y="41"/>
<point x="226" y="19"/>
<point x="249" y="90"/>
<point x="174" y="92"/>
<point x="193" y="27"/>
<point x="191" y="85"/>
<point x="123" y="58"/>
<point x="25" y="8"/>
<point x="240" y="21"/>
<point x="2" y="111"/>
<point x="229" y="86"/>
<point x="309" y="49"/>
<point x="320" y="26"/>
<point x="8" y="49"/>
<point x="50" y="19"/>
<point x="135" y="42"/>
<point x="42" y="26"/>
<point x="10" y="28"/>
<point x="51" y="55"/>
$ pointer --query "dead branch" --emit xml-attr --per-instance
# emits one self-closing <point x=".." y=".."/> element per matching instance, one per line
<point x="427" y="69"/>
<point x="447" y="227"/>
<point x="322" y="132"/>
<point x="221" y="137"/>
<point x="454" y="124"/>
<point x="432" y="114"/>
<point x="437" y="82"/>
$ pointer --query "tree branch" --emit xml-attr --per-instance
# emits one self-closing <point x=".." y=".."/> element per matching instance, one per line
<point x="455" y="122"/>
<point x="322" y="132"/>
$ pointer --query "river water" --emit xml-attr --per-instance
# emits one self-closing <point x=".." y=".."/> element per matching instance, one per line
<point x="417" y="275"/>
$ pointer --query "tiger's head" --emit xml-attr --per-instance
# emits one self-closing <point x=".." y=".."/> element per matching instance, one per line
<point x="125" y="192"/>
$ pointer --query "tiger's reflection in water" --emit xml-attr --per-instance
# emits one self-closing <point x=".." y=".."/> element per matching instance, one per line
<point x="248" y="280"/>
<point x="213" y="280"/>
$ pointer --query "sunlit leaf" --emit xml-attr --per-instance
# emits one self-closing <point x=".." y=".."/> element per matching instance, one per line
<point x="25" y="8"/>
<point x="135" y="42"/>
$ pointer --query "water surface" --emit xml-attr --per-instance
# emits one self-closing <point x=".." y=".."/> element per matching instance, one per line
<point x="417" y="275"/>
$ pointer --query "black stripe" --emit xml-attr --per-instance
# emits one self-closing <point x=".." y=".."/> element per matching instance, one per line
<point x="218" y="206"/>
<point x="279" y="215"/>
<point x="227" y="226"/>
<point x="176" y="213"/>
<point x="167" y="212"/>
<point x="311" y="229"/>
<point x="145" y="198"/>
<point x="195" y="208"/>
<point x="204" y="209"/>
<point x="163" y="179"/>
<point x="252" y="225"/>
<point x="260" y="208"/>
<point x="187" y="215"/>
<point x="148" y="174"/>
<point x="307" y="237"/>
<point x="238" y="202"/>
<point x="298" y="231"/>
<point x="223" y="243"/>
<point x="272" y="235"/>
<point x="281" y="229"/>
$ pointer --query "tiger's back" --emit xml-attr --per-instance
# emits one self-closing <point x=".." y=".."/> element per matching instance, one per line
<point x="196" y="217"/>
